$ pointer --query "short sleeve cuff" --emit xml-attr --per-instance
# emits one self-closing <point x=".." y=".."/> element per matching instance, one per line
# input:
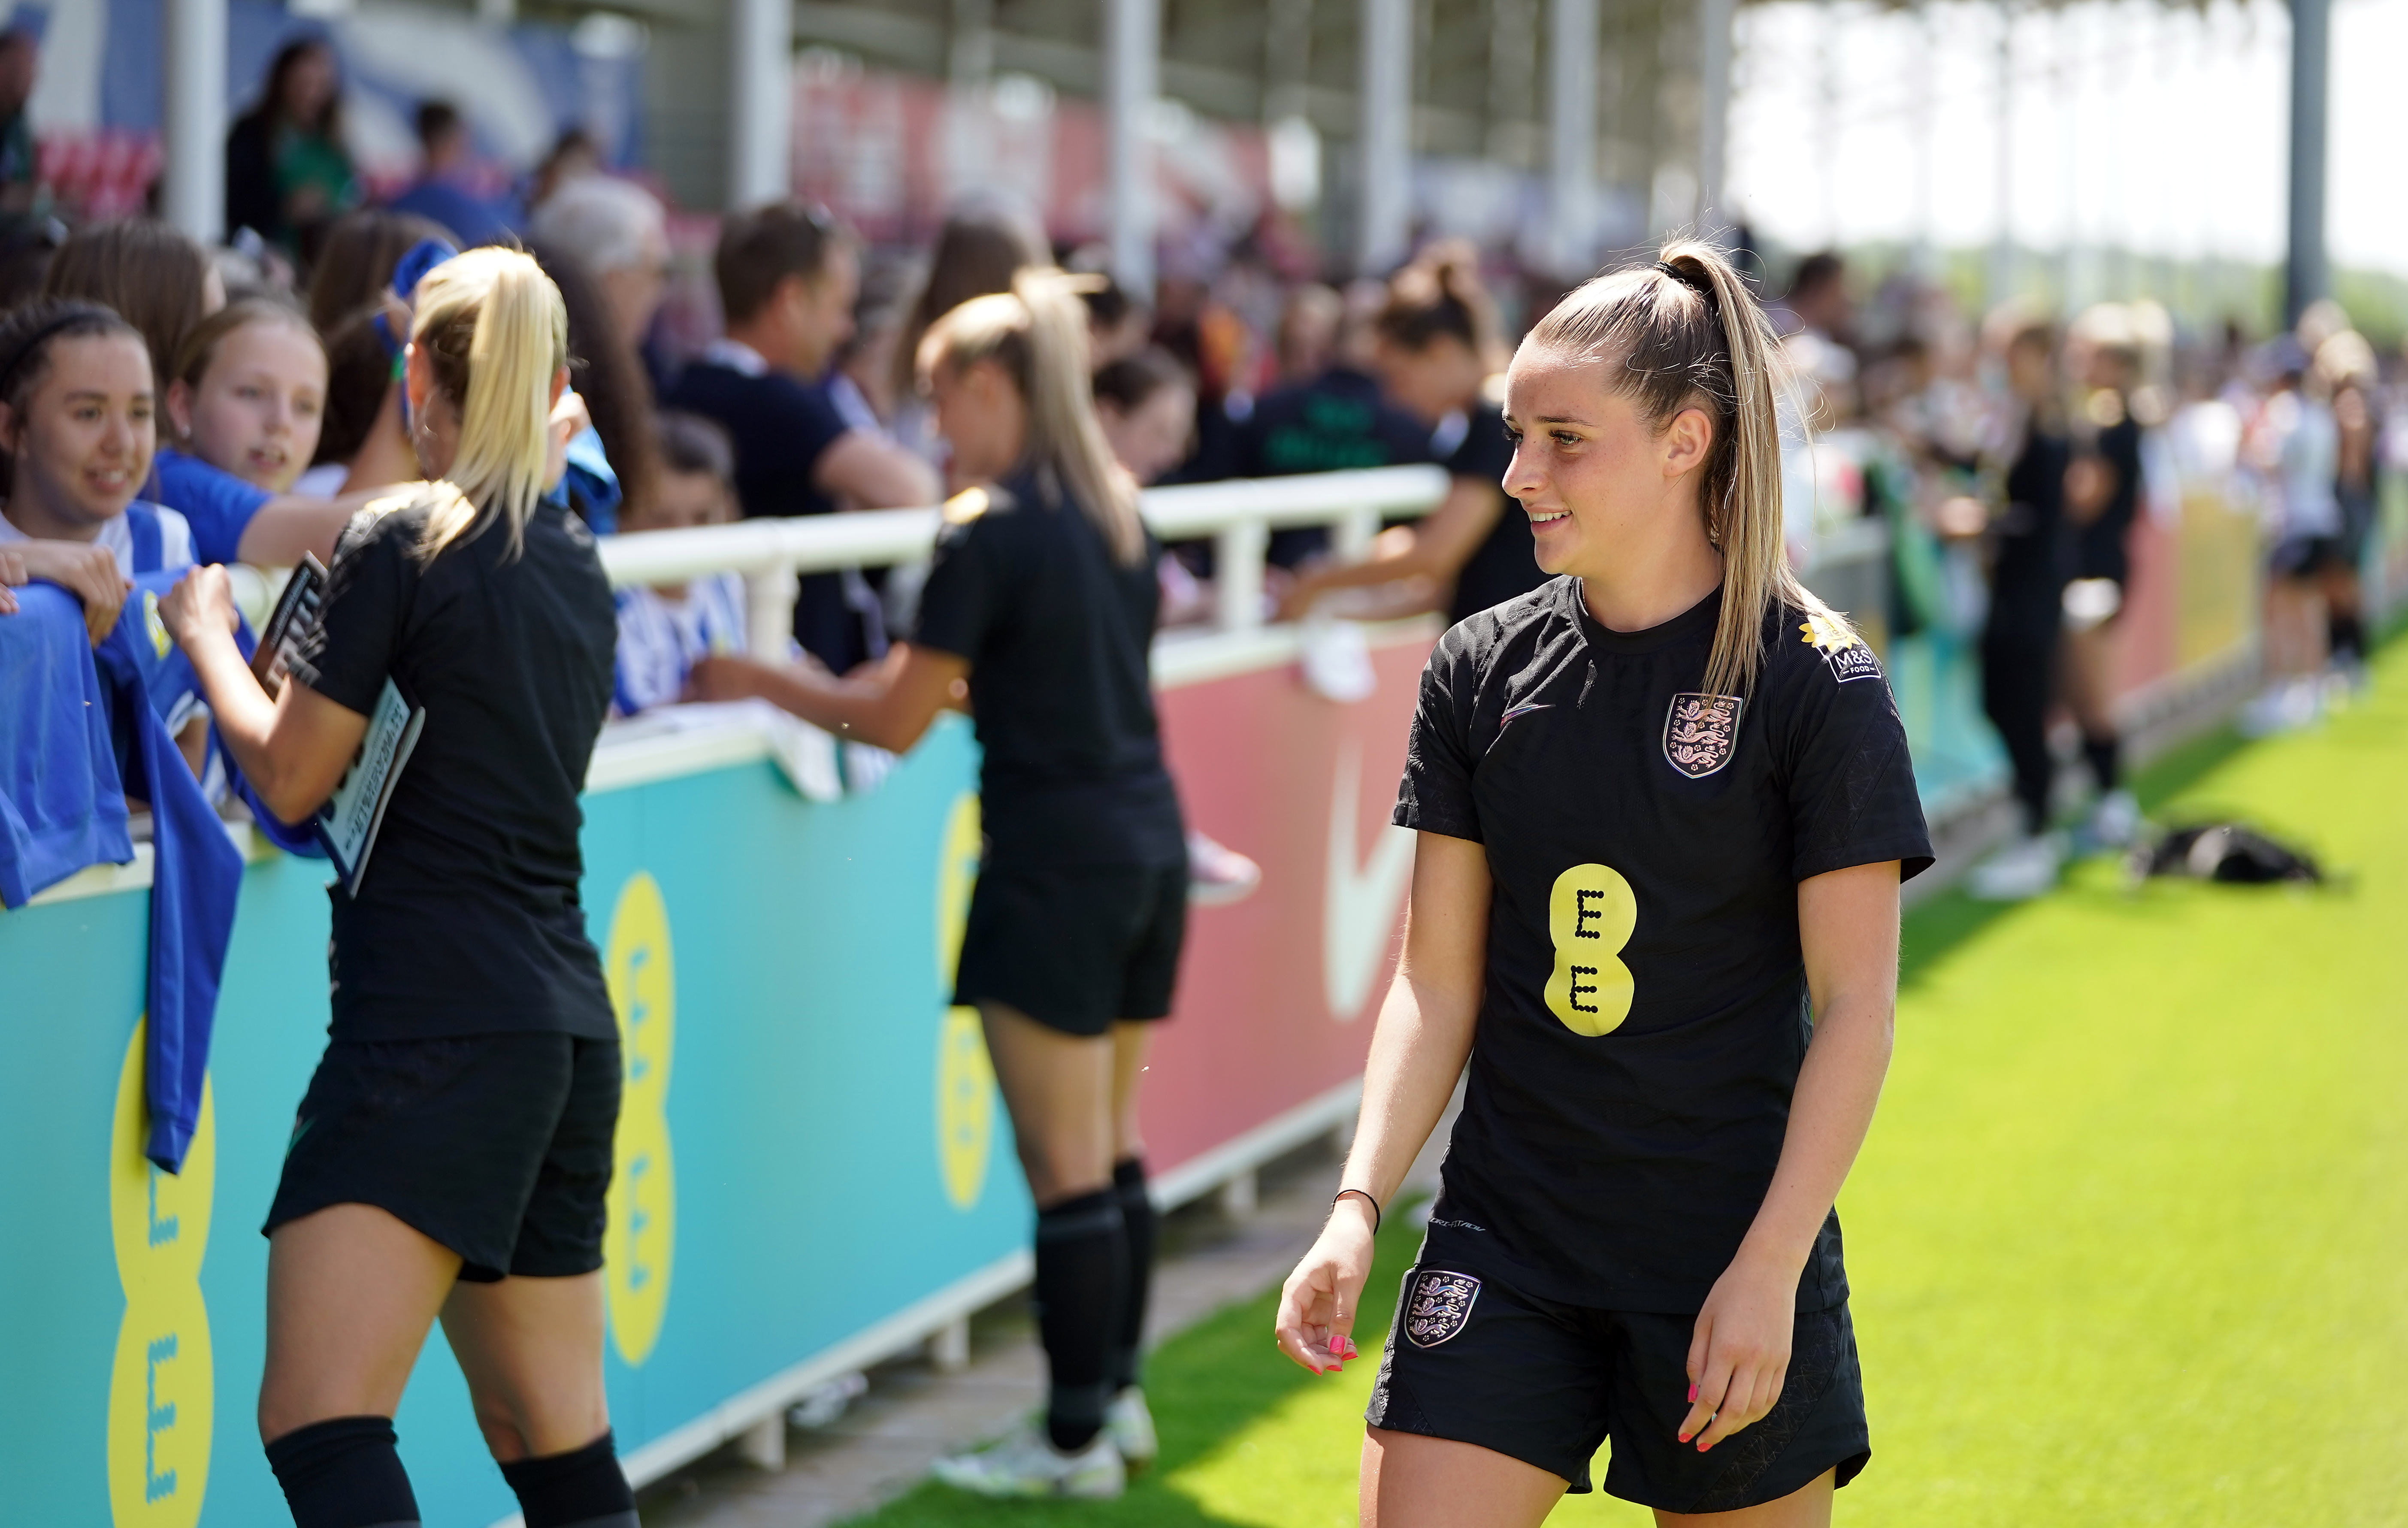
<point x="351" y="697"/>
<point x="1408" y="815"/>
<point x="1913" y="854"/>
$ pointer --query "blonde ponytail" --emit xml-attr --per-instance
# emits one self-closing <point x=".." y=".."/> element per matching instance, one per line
<point x="494" y="333"/>
<point x="1038" y="333"/>
<point x="1688" y="334"/>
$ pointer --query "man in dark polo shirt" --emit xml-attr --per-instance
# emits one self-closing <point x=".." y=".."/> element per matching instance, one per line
<point x="787" y="277"/>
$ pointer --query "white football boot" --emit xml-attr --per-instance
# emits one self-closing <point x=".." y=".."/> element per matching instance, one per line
<point x="1028" y="1464"/>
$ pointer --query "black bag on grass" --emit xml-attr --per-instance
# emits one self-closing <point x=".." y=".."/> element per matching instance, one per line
<point x="2226" y="851"/>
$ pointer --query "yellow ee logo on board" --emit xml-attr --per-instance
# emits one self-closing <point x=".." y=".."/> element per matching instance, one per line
<point x="1590" y="916"/>
<point x="160" y="1383"/>
<point x="965" y="1072"/>
<point x="640" y="1240"/>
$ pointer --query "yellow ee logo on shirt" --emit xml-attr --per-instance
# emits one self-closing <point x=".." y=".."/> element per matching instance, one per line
<point x="160" y="1385"/>
<point x="640" y="1240"/>
<point x="965" y="1072"/>
<point x="1590" y="916"/>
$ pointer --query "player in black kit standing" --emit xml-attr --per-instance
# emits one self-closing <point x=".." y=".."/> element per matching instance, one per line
<point x="1663" y="805"/>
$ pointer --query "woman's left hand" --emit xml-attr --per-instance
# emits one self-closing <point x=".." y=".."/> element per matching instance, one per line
<point x="202" y="601"/>
<point x="1739" y="1356"/>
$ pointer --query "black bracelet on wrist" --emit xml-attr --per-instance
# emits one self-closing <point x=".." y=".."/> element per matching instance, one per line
<point x="1364" y="1194"/>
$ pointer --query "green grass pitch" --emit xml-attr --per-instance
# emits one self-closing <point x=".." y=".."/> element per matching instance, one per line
<point x="2129" y="1242"/>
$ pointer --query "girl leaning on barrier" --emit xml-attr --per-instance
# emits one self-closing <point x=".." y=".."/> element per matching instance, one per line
<point x="450" y="1156"/>
<point x="1663" y="805"/>
<point x="1042" y="600"/>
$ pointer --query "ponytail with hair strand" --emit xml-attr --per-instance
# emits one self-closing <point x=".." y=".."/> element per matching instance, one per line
<point x="1687" y="333"/>
<point x="495" y="335"/>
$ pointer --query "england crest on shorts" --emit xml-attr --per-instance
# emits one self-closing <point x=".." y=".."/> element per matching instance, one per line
<point x="1438" y="1307"/>
<point x="1700" y="733"/>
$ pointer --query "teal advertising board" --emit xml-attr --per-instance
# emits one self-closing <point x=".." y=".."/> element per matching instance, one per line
<point x="810" y="1141"/>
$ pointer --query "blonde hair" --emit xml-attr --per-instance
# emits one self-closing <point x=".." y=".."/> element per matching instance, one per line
<point x="1686" y="332"/>
<point x="1038" y="333"/>
<point x="494" y="333"/>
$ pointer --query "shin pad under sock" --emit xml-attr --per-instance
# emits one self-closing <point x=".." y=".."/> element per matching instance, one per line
<point x="344" y="1473"/>
<point x="1081" y="1276"/>
<point x="582" y="1488"/>
<point x="1137" y="1235"/>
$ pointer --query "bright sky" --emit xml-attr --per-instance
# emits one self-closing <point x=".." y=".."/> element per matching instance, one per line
<point x="2135" y="125"/>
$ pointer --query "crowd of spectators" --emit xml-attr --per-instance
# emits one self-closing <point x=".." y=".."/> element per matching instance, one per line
<point x="2009" y="454"/>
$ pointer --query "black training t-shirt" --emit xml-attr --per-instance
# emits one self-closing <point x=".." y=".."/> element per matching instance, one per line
<point x="467" y="921"/>
<point x="2101" y="547"/>
<point x="1644" y="1010"/>
<point x="1056" y="634"/>
<point x="1506" y="563"/>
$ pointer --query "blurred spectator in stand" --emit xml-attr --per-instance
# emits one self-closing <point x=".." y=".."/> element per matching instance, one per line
<point x="288" y="174"/>
<point x="787" y="277"/>
<point x="1146" y="404"/>
<point x="863" y="383"/>
<point x="978" y="251"/>
<point x="1438" y="350"/>
<point x="1117" y="323"/>
<point x="26" y="248"/>
<point x="20" y="165"/>
<point x="2296" y="443"/>
<point x="445" y="191"/>
<point x="362" y="443"/>
<point x="356" y="261"/>
<point x="665" y="630"/>
<point x="617" y="394"/>
<point x="574" y="156"/>
<point x="2347" y="364"/>
<point x="1307" y="333"/>
<point x="2026" y="599"/>
<point x="619" y="234"/>
<point x="2102" y="497"/>
<point x="154" y="275"/>
<point x="1332" y="421"/>
<point x="249" y="393"/>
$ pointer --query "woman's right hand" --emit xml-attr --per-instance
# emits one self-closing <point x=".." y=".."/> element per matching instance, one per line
<point x="1319" y="1304"/>
<point x="88" y="571"/>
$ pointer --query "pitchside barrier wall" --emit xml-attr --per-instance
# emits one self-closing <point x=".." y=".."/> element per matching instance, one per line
<point x="813" y="1167"/>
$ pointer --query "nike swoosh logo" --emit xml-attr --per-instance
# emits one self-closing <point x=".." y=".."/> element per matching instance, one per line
<point x="1360" y="903"/>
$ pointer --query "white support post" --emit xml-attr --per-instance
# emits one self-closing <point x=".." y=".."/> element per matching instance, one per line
<point x="1241" y="1195"/>
<point x="1132" y="69"/>
<point x="764" y="1444"/>
<point x="1715" y="18"/>
<point x="761" y="102"/>
<point x="2306" y="275"/>
<point x="1238" y="575"/>
<point x="769" y="603"/>
<point x="195" y="116"/>
<point x="1351" y="537"/>
<point x="1384" y="137"/>
<point x="1571" y="136"/>
<point x="949" y="1346"/>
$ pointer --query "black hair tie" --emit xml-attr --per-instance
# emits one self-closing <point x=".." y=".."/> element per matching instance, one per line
<point x="1699" y="285"/>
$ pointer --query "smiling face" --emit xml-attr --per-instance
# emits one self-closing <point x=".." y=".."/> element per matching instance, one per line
<point x="82" y="445"/>
<point x="258" y="406"/>
<point x="1601" y="484"/>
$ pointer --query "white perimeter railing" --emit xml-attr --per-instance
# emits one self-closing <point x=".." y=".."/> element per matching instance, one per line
<point x="1239" y="517"/>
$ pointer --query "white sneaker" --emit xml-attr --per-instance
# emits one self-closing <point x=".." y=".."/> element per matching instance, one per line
<point x="2285" y="705"/>
<point x="2024" y="869"/>
<point x="2115" y="820"/>
<point x="1130" y="1426"/>
<point x="1028" y="1464"/>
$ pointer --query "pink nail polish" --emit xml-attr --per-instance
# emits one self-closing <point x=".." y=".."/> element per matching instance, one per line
<point x="1684" y="1437"/>
<point x="1693" y="1394"/>
<point x="1701" y="1445"/>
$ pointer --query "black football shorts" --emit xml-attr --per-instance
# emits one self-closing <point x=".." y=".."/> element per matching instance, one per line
<point x="1075" y="947"/>
<point x="496" y="1146"/>
<point x="1472" y="1359"/>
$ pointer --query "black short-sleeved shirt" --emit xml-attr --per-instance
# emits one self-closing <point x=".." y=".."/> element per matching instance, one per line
<point x="467" y="921"/>
<point x="2101" y="548"/>
<point x="779" y="427"/>
<point x="1506" y="562"/>
<point x="1337" y="421"/>
<point x="1645" y="843"/>
<point x="1056" y="634"/>
<point x="2035" y="549"/>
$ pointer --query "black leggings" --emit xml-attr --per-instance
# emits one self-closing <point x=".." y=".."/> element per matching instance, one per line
<point x="2019" y="671"/>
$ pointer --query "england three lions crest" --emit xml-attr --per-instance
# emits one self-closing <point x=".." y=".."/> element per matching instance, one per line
<point x="1438" y="1305"/>
<point x="1700" y="733"/>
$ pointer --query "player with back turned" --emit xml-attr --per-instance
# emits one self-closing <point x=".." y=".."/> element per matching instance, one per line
<point x="1663" y="805"/>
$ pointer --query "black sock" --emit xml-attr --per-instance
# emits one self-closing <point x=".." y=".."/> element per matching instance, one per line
<point x="344" y="1474"/>
<point x="583" y="1488"/>
<point x="1136" y="1236"/>
<point x="2345" y="636"/>
<point x="2106" y="756"/>
<point x="1082" y="1270"/>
